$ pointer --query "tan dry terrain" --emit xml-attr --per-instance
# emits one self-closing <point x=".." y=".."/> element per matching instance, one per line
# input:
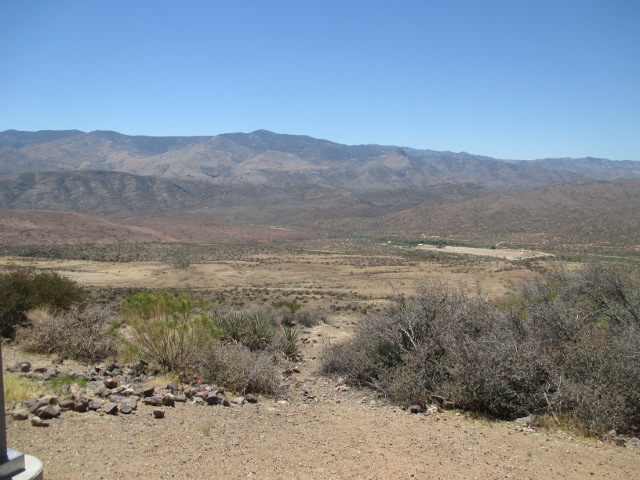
<point x="372" y="278"/>
<point x="506" y="253"/>
<point x="323" y="434"/>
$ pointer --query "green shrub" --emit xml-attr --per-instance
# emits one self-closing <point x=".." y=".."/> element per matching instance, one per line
<point x="79" y="334"/>
<point x="290" y="348"/>
<point x="166" y="329"/>
<point x="25" y="289"/>
<point x="252" y="330"/>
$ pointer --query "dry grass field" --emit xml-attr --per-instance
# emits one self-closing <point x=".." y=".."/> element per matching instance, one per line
<point x="344" y="277"/>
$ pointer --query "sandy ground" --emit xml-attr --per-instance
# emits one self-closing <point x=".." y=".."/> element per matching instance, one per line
<point x="340" y="273"/>
<point x="323" y="434"/>
<point x="507" y="254"/>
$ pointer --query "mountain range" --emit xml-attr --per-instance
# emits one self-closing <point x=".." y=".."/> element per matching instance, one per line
<point x="264" y="178"/>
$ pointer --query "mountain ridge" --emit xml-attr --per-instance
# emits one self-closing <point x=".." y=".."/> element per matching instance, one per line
<point x="249" y="182"/>
<point x="264" y="157"/>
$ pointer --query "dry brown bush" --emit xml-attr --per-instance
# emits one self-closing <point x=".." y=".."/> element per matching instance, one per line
<point x="239" y="369"/>
<point x="79" y="334"/>
<point x="568" y="345"/>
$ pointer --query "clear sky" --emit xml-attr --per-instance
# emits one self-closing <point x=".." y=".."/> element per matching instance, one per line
<point x="504" y="78"/>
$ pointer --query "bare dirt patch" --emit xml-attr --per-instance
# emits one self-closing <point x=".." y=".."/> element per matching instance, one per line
<point x="507" y="254"/>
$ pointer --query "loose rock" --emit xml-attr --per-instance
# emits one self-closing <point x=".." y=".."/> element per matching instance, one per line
<point x="47" y="412"/>
<point x="110" y="408"/>
<point x="38" y="422"/>
<point x="111" y="382"/>
<point x="20" y="415"/>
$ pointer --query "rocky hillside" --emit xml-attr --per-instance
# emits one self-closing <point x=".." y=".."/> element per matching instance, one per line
<point x="262" y="178"/>
<point x="266" y="158"/>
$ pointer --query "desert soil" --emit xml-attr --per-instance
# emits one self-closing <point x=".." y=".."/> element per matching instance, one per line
<point x="318" y="430"/>
<point x="506" y="253"/>
<point x="373" y="278"/>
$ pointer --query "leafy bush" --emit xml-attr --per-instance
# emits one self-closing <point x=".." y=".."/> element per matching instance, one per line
<point x="237" y="368"/>
<point x="566" y="345"/>
<point x="79" y="334"/>
<point x="168" y="330"/>
<point x="25" y="289"/>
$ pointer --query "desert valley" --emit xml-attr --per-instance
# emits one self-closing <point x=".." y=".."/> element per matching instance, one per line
<point x="318" y="240"/>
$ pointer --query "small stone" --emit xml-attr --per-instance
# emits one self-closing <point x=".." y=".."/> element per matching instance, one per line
<point x="237" y="400"/>
<point x="38" y="422"/>
<point x="20" y="415"/>
<point x="212" y="398"/>
<point x="67" y="402"/>
<point x="110" y="408"/>
<point x="153" y="401"/>
<point x="47" y="412"/>
<point x="131" y="402"/>
<point x="190" y="392"/>
<point x="102" y="391"/>
<point x="50" y="375"/>
<point x="24" y="367"/>
<point x="158" y="413"/>
<point x="76" y="390"/>
<point x="81" y="405"/>
<point x="147" y="390"/>
<point x="431" y="409"/>
<point x="198" y="400"/>
<point x="250" y="398"/>
<point x="94" y="405"/>
<point x="40" y="370"/>
<point x="180" y="397"/>
<point x="169" y="400"/>
<point x="126" y="409"/>
<point x="172" y="386"/>
<point x="415" y="409"/>
<point x="620" y="442"/>
<point x="111" y="382"/>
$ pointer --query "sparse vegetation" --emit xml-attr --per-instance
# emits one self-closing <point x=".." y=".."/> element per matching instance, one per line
<point x="565" y="346"/>
<point x="19" y="389"/>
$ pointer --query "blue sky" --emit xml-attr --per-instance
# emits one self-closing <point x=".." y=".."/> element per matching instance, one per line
<point x="503" y="78"/>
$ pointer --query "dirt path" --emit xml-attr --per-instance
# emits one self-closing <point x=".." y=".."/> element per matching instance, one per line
<point x="325" y="433"/>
